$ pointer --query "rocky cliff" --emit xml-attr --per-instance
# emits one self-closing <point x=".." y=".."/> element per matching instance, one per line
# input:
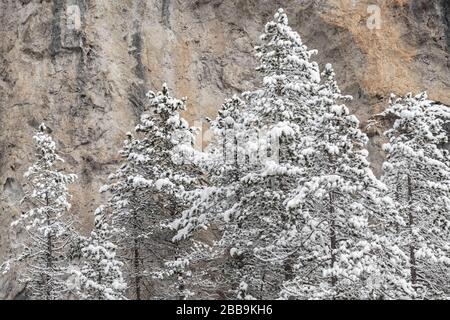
<point x="83" y="67"/>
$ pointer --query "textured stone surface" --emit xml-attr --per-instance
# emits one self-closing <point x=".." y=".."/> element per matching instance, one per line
<point x="83" y="66"/>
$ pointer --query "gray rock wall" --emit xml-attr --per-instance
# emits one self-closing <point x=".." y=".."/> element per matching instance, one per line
<point x="83" y="66"/>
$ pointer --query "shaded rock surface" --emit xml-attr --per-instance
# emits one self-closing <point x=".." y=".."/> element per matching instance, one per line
<point x="83" y="67"/>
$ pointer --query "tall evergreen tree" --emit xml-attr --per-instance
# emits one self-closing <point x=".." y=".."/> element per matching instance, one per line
<point x="129" y="218"/>
<point x="330" y="210"/>
<point x="211" y="203"/>
<point x="248" y="193"/>
<point x="417" y="172"/>
<point x="150" y="188"/>
<point x="100" y="276"/>
<point x="223" y="163"/>
<point x="47" y="225"/>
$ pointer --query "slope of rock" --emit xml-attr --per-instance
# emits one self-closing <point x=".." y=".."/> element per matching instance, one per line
<point x="83" y="67"/>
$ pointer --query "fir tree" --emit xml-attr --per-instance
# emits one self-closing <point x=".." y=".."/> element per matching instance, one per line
<point x="252" y="180"/>
<point x="274" y="131"/>
<point x="223" y="161"/>
<point x="47" y="225"/>
<point x="100" y="276"/>
<point x="417" y="172"/>
<point x="211" y="203"/>
<point x="129" y="218"/>
<point x="150" y="187"/>
<point x="330" y="211"/>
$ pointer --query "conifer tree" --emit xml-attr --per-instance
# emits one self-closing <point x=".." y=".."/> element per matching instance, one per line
<point x="150" y="188"/>
<point x="129" y="219"/>
<point x="223" y="163"/>
<point x="211" y="203"/>
<point x="330" y="210"/>
<point x="417" y="173"/>
<point x="249" y="192"/>
<point x="100" y="276"/>
<point x="47" y="226"/>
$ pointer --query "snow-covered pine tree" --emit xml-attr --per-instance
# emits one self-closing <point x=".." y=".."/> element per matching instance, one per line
<point x="250" y="194"/>
<point x="100" y="276"/>
<point x="170" y="173"/>
<point x="47" y="225"/>
<point x="223" y="163"/>
<point x="417" y="173"/>
<point x="129" y="219"/>
<point x="277" y="115"/>
<point x="210" y="204"/>
<point x="330" y="210"/>
<point x="149" y="189"/>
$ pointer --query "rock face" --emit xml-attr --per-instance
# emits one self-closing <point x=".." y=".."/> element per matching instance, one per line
<point x="83" y="67"/>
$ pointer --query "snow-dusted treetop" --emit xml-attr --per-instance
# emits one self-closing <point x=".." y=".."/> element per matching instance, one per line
<point x="50" y="194"/>
<point x="282" y="51"/>
<point x="48" y="224"/>
<point x="289" y="77"/>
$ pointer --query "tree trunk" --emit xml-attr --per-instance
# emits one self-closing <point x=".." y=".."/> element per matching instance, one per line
<point x="288" y="268"/>
<point x="333" y="244"/>
<point x="412" y="254"/>
<point x="49" y="258"/>
<point x="261" y="289"/>
<point x="136" y="257"/>
<point x="100" y="296"/>
<point x="137" y="276"/>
